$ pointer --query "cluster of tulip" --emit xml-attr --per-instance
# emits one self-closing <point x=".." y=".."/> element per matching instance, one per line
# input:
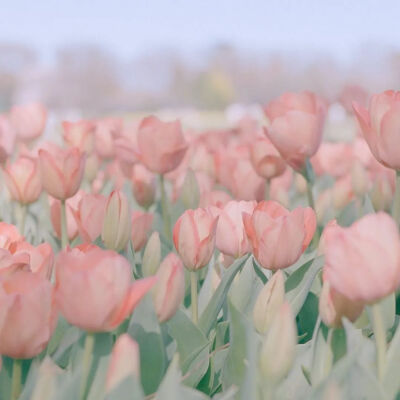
<point x="250" y="262"/>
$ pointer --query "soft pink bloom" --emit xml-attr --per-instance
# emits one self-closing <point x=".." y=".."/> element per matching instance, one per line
<point x="29" y="120"/>
<point x="201" y="159"/>
<point x="106" y="131"/>
<point x="141" y="226"/>
<point x="296" y="124"/>
<point x="143" y="185"/>
<point x="266" y="160"/>
<point x="362" y="262"/>
<point x="89" y="216"/>
<point x="342" y="192"/>
<point x="333" y="306"/>
<point x="7" y="138"/>
<point x="380" y="125"/>
<point x="41" y="258"/>
<point x="124" y="362"/>
<point x="23" y="180"/>
<point x="334" y="159"/>
<point x="161" y="145"/>
<point x="194" y="237"/>
<point x="79" y="134"/>
<point x="351" y="94"/>
<point x="279" y="236"/>
<point x="169" y="290"/>
<point x="55" y="215"/>
<point x="231" y="235"/>
<point x="61" y="170"/>
<point x="28" y="314"/>
<point x="94" y="288"/>
<point x="217" y="198"/>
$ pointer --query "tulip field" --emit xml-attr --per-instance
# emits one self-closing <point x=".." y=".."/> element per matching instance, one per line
<point x="144" y="258"/>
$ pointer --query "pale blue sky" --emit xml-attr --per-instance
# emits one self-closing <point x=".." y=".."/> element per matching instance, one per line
<point x="131" y="28"/>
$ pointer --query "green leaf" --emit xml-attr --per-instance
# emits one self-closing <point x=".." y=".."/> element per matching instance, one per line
<point x="192" y="346"/>
<point x="299" y="283"/>
<point x="391" y="381"/>
<point x="244" y="287"/>
<point x="259" y="272"/>
<point x="145" y="329"/>
<point x="129" y="388"/>
<point x="322" y="359"/>
<point x="241" y="362"/>
<point x="172" y="389"/>
<point x="209" y="316"/>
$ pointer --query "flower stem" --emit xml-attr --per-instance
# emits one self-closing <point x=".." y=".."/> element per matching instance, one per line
<point x="64" y="231"/>
<point x="16" y="379"/>
<point x="267" y="189"/>
<point x="396" y="200"/>
<point x="164" y="209"/>
<point x="380" y="339"/>
<point x="310" y="196"/>
<point x="22" y="218"/>
<point x="86" y="362"/>
<point x="193" y="287"/>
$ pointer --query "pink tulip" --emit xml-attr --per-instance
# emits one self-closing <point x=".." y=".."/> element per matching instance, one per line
<point x="351" y="94"/>
<point x="143" y="185"/>
<point x="79" y="134"/>
<point x="41" y="258"/>
<point x="23" y="180"/>
<point x="89" y="216"/>
<point x="55" y="215"/>
<point x="362" y="262"/>
<point x="231" y="235"/>
<point x="380" y="125"/>
<point x="333" y="306"/>
<point x="94" y="288"/>
<point x="296" y="126"/>
<point x="161" y="144"/>
<point x="29" y="120"/>
<point x="334" y="159"/>
<point x="265" y="159"/>
<point x="194" y="237"/>
<point x="9" y="236"/>
<point x="216" y="198"/>
<point x="61" y="170"/>
<point x="28" y="314"/>
<point x="7" y="138"/>
<point x="106" y="131"/>
<point x="124" y="362"/>
<point x="245" y="183"/>
<point x="170" y="287"/>
<point x="141" y="226"/>
<point x="278" y="236"/>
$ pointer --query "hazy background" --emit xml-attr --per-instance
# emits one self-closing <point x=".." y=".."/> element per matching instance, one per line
<point x="104" y="56"/>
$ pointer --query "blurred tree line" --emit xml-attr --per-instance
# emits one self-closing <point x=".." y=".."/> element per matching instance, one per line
<point x="92" y="79"/>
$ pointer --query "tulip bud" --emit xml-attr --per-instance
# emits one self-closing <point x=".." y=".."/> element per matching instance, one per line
<point x="323" y="204"/>
<point x="342" y="193"/>
<point x="91" y="168"/>
<point x="268" y="303"/>
<point x="141" y="225"/>
<point x="23" y="180"/>
<point x="117" y="225"/>
<point x="278" y="348"/>
<point x="124" y="363"/>
<point x="359" y="179"/>
<point x="143" y="185"/>
<point x="194" y="237"/>
<point x="170" y="287"/>
<point x="333" y="306"/>
<point x="190" y="193"/>
<point x="152" y="255"/>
